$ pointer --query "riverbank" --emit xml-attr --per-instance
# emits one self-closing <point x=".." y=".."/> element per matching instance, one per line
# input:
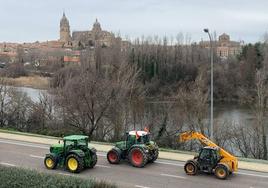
<point x="36" y="82"/>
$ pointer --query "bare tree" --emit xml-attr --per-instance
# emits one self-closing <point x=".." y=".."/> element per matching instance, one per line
<point x="193" y="102"/>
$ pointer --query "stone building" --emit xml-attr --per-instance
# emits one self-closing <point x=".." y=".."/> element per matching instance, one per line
<point x="64" y="30"/>
<point x="90" y="38"/>
<point x="224" y="46"/>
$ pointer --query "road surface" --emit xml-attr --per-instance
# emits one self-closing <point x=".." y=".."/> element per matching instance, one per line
<point x="161" y="174"/>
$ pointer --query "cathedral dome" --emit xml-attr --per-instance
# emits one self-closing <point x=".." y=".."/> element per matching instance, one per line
<point x="96" y="26"/>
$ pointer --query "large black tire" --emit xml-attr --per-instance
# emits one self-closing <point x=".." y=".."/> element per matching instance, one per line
<point x="156" y="153"/>
<point x="191" y="167"/>
<point x="94" y="160"/>
<point x="50" y="161"/>
<point x="137" y="157"/>
<point x="74" y="163"/>
<point x="221" y="171"/>
<point x="113" y="156"/>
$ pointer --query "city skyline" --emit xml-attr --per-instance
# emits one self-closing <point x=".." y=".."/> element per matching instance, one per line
<point x="39" y="21"/>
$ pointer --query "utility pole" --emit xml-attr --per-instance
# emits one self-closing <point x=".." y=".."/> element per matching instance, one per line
<point x="211" y="83"/>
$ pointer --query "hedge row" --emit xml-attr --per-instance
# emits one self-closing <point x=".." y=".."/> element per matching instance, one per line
<point x="13" y="177"/>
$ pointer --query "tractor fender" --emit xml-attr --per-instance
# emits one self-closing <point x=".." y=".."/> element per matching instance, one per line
<point x="118" y="150"/>
<point x="194" y="162"/>
<point x="78" y="152"/>
<point x="92" y="150"/>
<point x="143" y="147"/>
<point x="54" y="155"/>
<point x="223" y="164"/>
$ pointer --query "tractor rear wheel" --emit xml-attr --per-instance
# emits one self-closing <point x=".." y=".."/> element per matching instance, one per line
<point x="113" y="156"/>
<point x="74" y="163"/>
<point x="155" y="156"/>
<point x="221" y="171"/>
<point x="50" y="162"/>
<point x="190" y="168"/>
<point x="137" y="157"/>
<point x="94" y="160"/>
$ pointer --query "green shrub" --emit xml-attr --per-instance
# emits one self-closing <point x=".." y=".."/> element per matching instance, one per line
<point x="13" y="177"/>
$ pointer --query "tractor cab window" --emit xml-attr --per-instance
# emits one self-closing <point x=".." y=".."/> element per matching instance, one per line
<point x="69" y="143"/>
<point x="206" y="154"/>
<point x="131" y="139"/>
<point x="82" y="142"/>
<point x="145" y="139"/>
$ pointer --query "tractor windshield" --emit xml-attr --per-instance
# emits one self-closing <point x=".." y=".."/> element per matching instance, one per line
<point x="145" y="139"/>
<point x="82" y="142"/>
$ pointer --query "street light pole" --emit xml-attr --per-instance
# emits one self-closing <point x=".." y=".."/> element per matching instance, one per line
<point x="211" y="83"/>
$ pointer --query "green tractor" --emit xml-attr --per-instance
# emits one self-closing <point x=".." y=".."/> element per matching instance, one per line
<point x="74" y="154"/>
<point x="138" y="149"/>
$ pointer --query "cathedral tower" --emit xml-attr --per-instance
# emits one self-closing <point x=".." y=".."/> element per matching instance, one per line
<point x="64" y="29"/>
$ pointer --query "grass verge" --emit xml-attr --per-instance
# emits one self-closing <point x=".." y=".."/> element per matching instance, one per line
<point x="13" y="177"/>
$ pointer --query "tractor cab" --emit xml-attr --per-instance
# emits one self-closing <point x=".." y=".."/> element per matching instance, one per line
<point x="208" y="158"/>
<point x="137" y="137"/>
<point x="75" y="142"/>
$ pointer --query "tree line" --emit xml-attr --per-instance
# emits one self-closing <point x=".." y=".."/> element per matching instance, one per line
<point x="115" y="90"/>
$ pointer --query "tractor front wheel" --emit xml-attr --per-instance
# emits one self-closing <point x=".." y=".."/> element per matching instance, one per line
<point x="137" y="157"/>
<point x="74" y="163"/>
<point x="113" y="156"/>
<point x="221" y="171"/>
<point x="190" y="168"/>
<point x="50" y="162"/>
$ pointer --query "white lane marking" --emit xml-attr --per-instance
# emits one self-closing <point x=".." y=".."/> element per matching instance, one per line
<point x="166" y="163"/>
<point x="173" y="176"/>
<point x="23" y="144"/>
<point x="101" y="155"/>
<point x="36" y="156"/>
<point x="64" y="174"/>
<point x="140" y="186"/>
<point x="256" y="175"/>
<point x="103" y="166"/>
<point x="7" y="164"/>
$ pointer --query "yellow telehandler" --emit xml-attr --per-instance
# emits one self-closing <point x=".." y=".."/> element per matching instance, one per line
<point x="211" y="158"/>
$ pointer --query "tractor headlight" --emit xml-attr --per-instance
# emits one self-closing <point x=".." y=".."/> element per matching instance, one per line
<point x="146" y="151"/>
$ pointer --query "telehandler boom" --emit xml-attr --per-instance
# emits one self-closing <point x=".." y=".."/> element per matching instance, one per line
<point x="211" y="159"/>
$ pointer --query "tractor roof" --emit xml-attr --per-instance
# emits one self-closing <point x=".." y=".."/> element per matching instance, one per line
<point x="75" y="137"/>
<point x="139" y="133"/>
<point x="210" y="147"/>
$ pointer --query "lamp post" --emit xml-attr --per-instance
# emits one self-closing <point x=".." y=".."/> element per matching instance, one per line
<point x="211" y="83"/>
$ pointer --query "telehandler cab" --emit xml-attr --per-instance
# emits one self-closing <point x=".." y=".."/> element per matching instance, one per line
<point x="211" y="159"/>
<point x="74" y="154"/>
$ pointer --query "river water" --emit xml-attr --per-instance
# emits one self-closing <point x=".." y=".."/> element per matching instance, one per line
<point x="227" y="112"/>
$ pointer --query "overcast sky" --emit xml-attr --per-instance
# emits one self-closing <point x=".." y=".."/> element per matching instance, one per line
<point x="32" y="20"/>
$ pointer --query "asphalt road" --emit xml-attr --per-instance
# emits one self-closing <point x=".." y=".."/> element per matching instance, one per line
<point x="162" y="173"/>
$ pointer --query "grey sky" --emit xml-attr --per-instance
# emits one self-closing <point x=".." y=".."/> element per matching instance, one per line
<point x="32" y="20"/>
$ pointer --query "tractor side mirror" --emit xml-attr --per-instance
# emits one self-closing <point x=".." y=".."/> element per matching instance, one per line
<point x="60" y="140"/>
